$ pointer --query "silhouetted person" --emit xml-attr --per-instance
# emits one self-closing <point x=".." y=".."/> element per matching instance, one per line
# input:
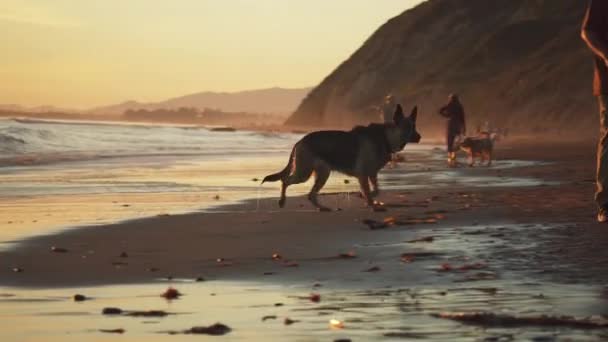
<point x="454" y="112"/>
<point x="595" y="34"/>
<point x="388" y="109"/>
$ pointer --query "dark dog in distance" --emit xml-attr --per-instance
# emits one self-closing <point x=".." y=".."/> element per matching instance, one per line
<point x="360" y="152"/>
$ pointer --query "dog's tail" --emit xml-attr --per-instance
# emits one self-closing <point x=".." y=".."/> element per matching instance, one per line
<point x="283" y="173"/>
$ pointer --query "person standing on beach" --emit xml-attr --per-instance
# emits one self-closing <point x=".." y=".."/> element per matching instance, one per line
<point x="595" y="33"/>
<point x="388" y="109"/>
<point x="454" y="112"/>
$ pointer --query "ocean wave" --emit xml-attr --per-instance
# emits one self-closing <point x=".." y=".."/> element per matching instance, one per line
<point x="10" y="144"/>
<point x="8" y="139"/>
<point x="17" y="139"/>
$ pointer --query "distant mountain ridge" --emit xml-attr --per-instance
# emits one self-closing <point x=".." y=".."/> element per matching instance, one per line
<point x="269" y="101"/>
<point x="515" y="63"/>
<point x="280" y="101"/>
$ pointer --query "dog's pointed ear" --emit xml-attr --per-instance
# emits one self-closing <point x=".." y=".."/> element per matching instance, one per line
<point x="398" y="117"/>
<point x="414" y="114"/>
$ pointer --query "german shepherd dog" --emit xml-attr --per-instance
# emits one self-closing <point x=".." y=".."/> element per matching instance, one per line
<point x="481" y="146"/>
<point x="360" y="152"/>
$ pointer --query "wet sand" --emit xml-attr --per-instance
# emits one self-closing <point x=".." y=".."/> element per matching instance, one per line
<point x="530" y="250"/>
<point x="248" y="233"/>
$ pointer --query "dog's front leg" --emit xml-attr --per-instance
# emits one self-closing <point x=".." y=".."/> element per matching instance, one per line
<point x="364" y="184"/>
<point x="373" y="180"/>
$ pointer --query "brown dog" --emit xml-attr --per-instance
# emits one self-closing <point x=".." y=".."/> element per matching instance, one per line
<point x="479" y="147"/>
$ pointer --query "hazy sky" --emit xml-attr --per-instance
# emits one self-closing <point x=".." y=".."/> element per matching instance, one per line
<point x="81" y="53"/>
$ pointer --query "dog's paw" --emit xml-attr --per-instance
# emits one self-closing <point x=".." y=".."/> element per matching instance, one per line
<point x="378" y="207"/>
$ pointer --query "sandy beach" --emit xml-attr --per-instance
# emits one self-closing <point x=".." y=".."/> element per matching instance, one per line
<point x="525" y="250"/>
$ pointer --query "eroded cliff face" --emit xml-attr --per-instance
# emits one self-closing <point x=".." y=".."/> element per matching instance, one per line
<point x="516" y="63"/>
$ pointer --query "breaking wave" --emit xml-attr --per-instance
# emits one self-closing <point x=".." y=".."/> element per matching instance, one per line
<point x="26" y="141"/>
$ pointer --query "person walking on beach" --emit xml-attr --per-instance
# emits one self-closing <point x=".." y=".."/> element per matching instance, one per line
<point x="595" y="33"/>
<point x="454" y="112"/>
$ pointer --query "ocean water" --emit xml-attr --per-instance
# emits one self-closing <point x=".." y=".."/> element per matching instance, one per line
<point x="58" y="174"/>
<point x="25" y="142"/>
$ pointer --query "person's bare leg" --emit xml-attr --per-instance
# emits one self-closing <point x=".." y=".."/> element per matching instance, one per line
<point x="601" y="194"/>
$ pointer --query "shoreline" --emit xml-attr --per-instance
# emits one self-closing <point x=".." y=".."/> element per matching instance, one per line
<point x="248" y="239"/>
<point x="244" y="259"/>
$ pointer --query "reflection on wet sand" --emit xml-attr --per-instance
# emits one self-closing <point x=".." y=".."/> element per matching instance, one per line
<point x="368" y="306"/>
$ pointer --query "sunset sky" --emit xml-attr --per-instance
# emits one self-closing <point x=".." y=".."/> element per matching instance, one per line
<point x="82" y="53"/>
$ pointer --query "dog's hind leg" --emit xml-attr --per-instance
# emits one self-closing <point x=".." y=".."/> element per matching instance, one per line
<point x="321" y="176"/>
<point x="283" y="194"/>
<point x="301" y="171"/>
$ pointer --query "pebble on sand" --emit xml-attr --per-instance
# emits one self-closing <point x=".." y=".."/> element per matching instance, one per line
<point x="171" y="293"/>
<point x="113" y="331"/>
<point x="80" y="298"/>
<point x="289" y="321"/>
<point x="315" y="297"/>
<point x="111" y="311"/>
<point x="17" y="269"/>
<point x="216" y="329"/>
<point x="148" y="313"/>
